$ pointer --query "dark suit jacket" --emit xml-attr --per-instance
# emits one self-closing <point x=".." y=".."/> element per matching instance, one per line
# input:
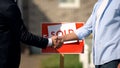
<point x="12" y="31"/>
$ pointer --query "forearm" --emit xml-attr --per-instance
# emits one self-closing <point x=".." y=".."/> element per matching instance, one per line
<point x="69" y="37"/>
<point x="18" y="29"/>
<point x="31" y="39"/>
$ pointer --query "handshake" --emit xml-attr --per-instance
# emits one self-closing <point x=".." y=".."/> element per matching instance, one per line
<point x="57" y="41"/>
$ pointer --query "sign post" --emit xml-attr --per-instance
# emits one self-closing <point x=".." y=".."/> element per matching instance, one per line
<point x="59" y="29"/>
<point x="61" y="60"/>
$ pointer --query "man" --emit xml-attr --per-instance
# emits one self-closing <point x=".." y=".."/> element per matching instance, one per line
<point x="104" y="24"/>
<point x="12" y="31"/>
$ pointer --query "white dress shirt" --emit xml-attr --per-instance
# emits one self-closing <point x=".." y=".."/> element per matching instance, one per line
<point x="49" y="42"/>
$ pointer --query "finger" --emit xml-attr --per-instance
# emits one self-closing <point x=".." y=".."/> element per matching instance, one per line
<point x="54" y="41"/>
<point x="59" y="44"/>
<point x="59" y="37"/>
<point x="58" y="41"/>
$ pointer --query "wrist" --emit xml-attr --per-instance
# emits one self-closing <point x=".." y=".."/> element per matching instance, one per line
<point x="64" y="38"/>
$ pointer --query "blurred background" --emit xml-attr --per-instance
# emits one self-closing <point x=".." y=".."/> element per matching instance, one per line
<point x="36" y="12"/>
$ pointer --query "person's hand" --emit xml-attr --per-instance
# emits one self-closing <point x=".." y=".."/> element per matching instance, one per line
<point x="57" y="41"/>
<point x="60" y="41"/>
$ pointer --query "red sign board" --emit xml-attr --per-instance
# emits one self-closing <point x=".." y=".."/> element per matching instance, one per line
<point x="51" y="29"/>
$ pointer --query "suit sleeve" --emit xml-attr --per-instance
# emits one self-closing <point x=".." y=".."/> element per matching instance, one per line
<point x="18" y="27"/>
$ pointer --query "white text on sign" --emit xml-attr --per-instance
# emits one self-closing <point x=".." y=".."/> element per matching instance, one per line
<point x="61" y="29"/>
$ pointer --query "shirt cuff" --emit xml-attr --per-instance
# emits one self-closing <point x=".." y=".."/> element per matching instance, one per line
<point x="49" y="42"/>
<point x="79" y="33"/>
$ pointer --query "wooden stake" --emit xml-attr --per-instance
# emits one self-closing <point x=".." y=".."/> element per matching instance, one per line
<point x="61" y="60"/>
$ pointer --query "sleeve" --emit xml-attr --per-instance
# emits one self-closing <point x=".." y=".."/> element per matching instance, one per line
<point x="86" y="30"/>
<point x="17" y="25"/>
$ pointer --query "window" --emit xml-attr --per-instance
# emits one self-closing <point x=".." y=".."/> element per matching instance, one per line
<point x="69" y="3"/>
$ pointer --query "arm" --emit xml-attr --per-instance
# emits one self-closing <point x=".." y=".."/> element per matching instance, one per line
<point x="82" y="32"/>
<point x="69" y="37"/>
<point x="19" y="30"/>
<point x="79" y="34"/>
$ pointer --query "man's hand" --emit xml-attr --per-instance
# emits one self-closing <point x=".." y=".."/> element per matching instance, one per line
<point x="57" y="41"/>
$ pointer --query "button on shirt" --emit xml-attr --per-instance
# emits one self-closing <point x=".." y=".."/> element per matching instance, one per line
<point x="106" y="41"/>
